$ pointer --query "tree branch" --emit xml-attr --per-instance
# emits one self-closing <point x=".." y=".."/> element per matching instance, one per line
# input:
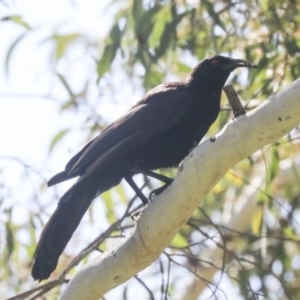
<point x="234" y="101"/>
<point x="200" y="171"/>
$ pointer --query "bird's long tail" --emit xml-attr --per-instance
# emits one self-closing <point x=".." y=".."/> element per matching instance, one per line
<point x="61" y="226"/>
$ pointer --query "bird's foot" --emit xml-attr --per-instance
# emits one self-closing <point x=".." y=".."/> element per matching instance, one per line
<point x="137" y="214"/>
<point x="158" y="191"/>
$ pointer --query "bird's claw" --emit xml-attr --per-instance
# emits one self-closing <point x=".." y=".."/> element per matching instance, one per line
<point x="137" y="214"/>
<point x="157" y="191"/>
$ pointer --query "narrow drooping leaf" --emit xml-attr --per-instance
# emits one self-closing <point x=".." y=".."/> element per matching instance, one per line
<point x="56" y="139"/>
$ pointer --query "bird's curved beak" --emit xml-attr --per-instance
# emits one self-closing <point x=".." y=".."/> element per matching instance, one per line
<point x="237" y="63"/>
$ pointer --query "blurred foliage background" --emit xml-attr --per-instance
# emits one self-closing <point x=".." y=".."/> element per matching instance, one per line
<point x="98" y="75"/>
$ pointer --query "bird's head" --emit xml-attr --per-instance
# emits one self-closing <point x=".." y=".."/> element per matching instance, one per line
<point x="216" y="69"/>
<point x="223" y="63"/>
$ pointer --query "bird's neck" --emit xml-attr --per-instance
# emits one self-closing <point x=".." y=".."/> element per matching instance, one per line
<point x="207" y="87"/>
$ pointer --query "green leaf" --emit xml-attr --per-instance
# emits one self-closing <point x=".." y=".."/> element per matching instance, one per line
<point x="11" y="50"/>
<point x="112" y="45"/>
<point x="296" y="173"/>
<point x="10" y="236"/>
<point x="121" y="192"/>
<point x="57" y="138"/>
<point x="17" y="19"/>
<point x="179" y="241"/>
<point x="66" y="85"/>
<point x="160" y="20"/>
<point x="9" y="241"/>
<point x="274" y="165"/>
<point x="109" y="204"/>
<point x="180" y="68"/>
<point x="168" y="34"/>
<point x="153" y="77"/>
<point x="257" y="221"/>
<point x="137" y="9"/>
<point x="62" y="42"/>
<point x="144" y="25"/>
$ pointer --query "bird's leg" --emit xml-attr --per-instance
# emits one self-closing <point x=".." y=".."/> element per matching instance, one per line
<point x="136" y="189"/>
<point x="160" y="177"/>
<point x="149" y="173"/>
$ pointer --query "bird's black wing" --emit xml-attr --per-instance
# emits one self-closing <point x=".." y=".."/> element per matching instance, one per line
<point x="64" y="175"/>
<point x="156" y="113"/>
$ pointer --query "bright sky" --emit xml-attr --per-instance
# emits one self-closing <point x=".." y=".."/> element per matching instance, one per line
<point x="26" y="120"/>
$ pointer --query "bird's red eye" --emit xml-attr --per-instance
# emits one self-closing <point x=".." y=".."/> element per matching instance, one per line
<point x="215" y="62"/>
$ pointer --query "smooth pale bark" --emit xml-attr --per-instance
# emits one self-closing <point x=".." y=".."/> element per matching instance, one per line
<point x="200" y="171"/>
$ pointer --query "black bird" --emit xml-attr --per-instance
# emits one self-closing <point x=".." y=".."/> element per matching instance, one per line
<point x="158" y="132"/>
